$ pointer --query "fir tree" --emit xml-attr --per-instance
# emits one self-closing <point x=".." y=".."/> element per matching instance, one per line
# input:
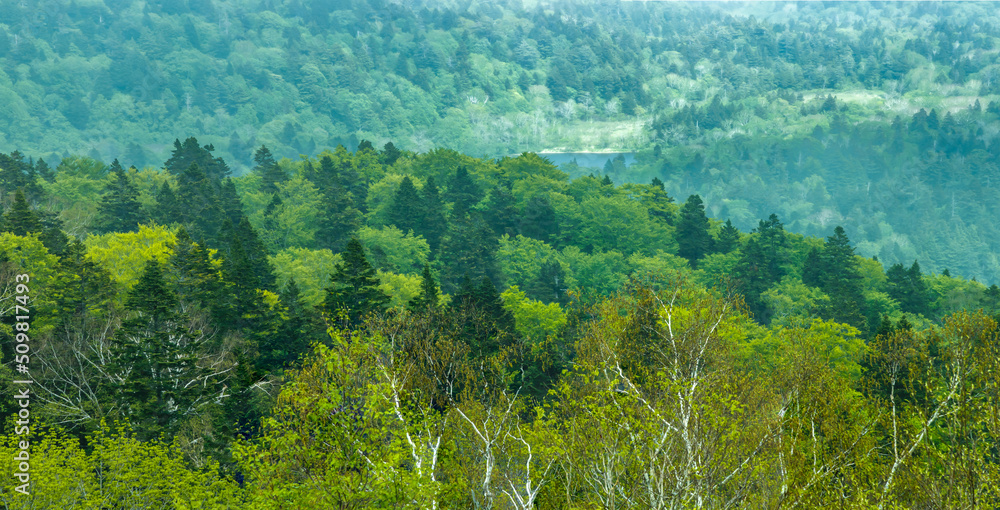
<point x="267" y="168"/>
<point x="842" y="281"/>
<point x="539" y="220"/>
<point x="155" y="358"/>
<point x="20" y="219"/>
<point x="429" y="295"/>
<point x="462" y="190"/>
<point x="354" y="286"/>
<point x="119" y="209"/>
<point x="729" y="238"/>
<point x="751" y="277"/>
<point x="502" y="214"/>
<point x="406" y="210"/>
<point x="693" y="239"/>
<point x="433" y="225"/>
<point x="389" y="154"/>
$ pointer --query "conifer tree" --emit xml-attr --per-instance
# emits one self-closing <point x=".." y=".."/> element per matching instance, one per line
<point x="751" y="277"/>
<point x="20" y="219"/>
<point x="693" y="239"/>
<point x="354" y="286"/>
<point x="429" y="295"/>
<point x="190" y="153"/>
<point x="433" y="225"/>
<point x="729" y="238"/>
<point x="407" y="210"/>
<point x="774" y="244"/>
<point x="119" y="209"/>
<point x="389" y="154"/>
<point x="301" y="327"/>
<point x="339" y="218"/>
<point x="270" y="172"/>
<point x="167" y="208"/>
<point x="469" y="247"/>
<point x="539" y="220"/>
<point x="155" y="358"/>
<point x="462" y="190"/>
<point x="502" y="214"/>
<point x="842" y="281"/>
<point x="550" y="284"/>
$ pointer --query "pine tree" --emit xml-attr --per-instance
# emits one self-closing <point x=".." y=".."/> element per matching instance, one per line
<point x="389" y="154"/>
<point x="774" y="243"/>
<point x="729" y="238"/>
<point x="190" y="153"/>
<point x="340" y="218"/>
<point x="814" y="269"/>
<point x="155" y="358"/>
<point x="167" y="209"/>
<point x="119" y="209"/>
<point x="842" y="281"/>
<point x="433" y="225"/>
<point x="268" y="169"/>
<point x="693" y="239"/>
<point x="20" y="219"/>
<point x="462" y="190"/>
<point x="470" y="247"/>
<point x="301" y="327"/>
<point x="550" y="284"/>
<point x="502" y="214"/>
<point x="751" y="277"/>
<point x="539" y="220"/>
<point x="197" y="203"/>
<point x="354" y="286"/>
<point x="429" y="296"/>
<point x="406" y="210"/>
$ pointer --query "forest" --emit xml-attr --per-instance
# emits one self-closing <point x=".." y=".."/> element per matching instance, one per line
<point x="312" y="254"/>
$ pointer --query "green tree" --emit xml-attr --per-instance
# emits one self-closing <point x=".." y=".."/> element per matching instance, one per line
<point x="155" y="358"/>
<point x="20" y="219"/>
<point x="407" y="210"/>
<point x="693" y="239"/>
<point x="728" y="238"/>
<point x="354" y="286"/>
<point x="270" y="172"/>
<point x="119" y="210"/>
<point x="430" y="294"/>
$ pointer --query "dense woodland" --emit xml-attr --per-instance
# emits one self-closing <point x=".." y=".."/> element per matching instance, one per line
<point x="291" y="254"/>
<point x="384" y="328"/>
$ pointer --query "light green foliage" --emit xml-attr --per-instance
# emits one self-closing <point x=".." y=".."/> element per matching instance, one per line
<point x="125" y="254"/>
<point x="533" y="319"/>
<point x="717" y="268"/>
<point x="837" y="346"/>
<point x="403" y="252"/>
<point x="661" y="264"/>
<point x="380" y="198"/>
<point x="872" y="274"/>
<point x="294" y="222"/>
<point x="613" y="223"/>
<point x="115" y="471"/>
<point x="27" y="255"/>
<point x="530" y="164"/>
<point x="441" y="163"/>
<point x="148" y="181"/>
<point x="953" y="294"/>
<point x="77" y="190"/>
<point x="599" y="273"/>
<point x="311" y="270"/>
<point x="521" y="258"/>
<point x="792" y="301"/>
<point x="335" y="438"/>
<point x="400" y="287"/>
